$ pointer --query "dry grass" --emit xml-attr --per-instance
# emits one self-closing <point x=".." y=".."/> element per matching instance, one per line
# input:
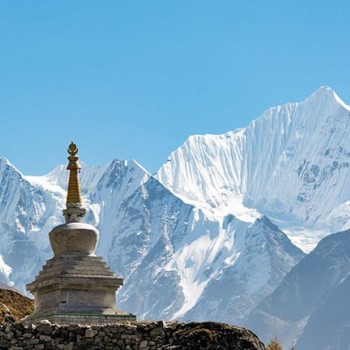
<point x="276" y="345"/>
<point x="15" y="305"/>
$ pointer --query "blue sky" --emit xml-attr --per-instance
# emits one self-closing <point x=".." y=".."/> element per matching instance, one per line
<point x="133" y="79"/>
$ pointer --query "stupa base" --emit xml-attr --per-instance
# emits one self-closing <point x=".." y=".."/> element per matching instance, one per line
<point x="90" y="319"/>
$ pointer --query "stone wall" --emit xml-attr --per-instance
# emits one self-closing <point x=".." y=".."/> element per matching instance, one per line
<point x="128" y="336"/>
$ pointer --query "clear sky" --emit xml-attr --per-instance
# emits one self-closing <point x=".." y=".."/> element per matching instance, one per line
<point x="133" y="79"/>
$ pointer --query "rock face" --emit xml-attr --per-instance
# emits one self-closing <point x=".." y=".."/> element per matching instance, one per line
<point x="132" y="336"/>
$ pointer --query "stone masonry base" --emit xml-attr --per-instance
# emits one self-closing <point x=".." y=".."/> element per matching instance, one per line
<point x="81" y="319"/>
<point x="128" y="336"/>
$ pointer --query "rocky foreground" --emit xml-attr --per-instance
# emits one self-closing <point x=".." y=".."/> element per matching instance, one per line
<point x="15" y="335"/>
<point x="128" y="336"/>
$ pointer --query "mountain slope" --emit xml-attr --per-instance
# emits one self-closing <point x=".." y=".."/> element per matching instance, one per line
<point x="24" y="218"/>
<point x="209" y="253"/>
<point x="309" y="303"/>
<point x="328" y="327"/>
<point x="264" y="259"/>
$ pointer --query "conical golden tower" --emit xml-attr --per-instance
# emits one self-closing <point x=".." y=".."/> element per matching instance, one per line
<point x="74" y="212"/>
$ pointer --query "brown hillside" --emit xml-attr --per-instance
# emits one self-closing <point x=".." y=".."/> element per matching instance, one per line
<point x="14" y="304"/>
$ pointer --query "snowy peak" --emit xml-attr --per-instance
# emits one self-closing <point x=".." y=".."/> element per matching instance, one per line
<point x="6" y="164"/>
<point x="90" y="176"/>
<point x="206" y="172"/>
<point x="291" y="164"/>
<point x="13" y="188"/>
<point x="122" y="177"/>
<point x="325" y="95"/>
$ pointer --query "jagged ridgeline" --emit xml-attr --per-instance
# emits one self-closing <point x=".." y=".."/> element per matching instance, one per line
<point x="219" y="226"/>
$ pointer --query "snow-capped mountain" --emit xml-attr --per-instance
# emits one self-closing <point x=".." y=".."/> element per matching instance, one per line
<point x="310" y="307"/>
<point x="148" y="235"/>
<point x="204" y="239"/>
<point x="291" y="164"/>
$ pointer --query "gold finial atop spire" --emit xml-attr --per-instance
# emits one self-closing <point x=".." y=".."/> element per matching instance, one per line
<point x="73" y="193"/>
<point x="74" y="211"/>
<point x="72" y="150"/>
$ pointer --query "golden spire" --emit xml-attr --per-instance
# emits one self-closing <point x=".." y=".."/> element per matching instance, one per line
<point x="73" y="193"/>
<point x="74" y="211"/>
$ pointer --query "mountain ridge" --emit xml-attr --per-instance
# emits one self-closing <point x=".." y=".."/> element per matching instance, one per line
<point x="244" y="173"/>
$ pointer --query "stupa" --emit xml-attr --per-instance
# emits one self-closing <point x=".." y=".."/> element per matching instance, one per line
<point x="75" y="286"/>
